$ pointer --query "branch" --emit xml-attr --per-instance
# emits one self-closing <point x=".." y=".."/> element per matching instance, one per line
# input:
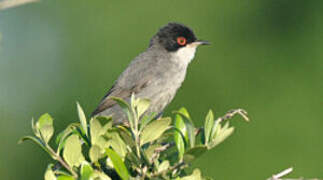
<point x="61" y="161"/>
<point x="5" y="4"/>
<point x="280" y="175"/>
<point x="232" y="113"/>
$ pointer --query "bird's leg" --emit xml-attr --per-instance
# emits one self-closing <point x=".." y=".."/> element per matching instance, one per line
<point x="232" y="113"/>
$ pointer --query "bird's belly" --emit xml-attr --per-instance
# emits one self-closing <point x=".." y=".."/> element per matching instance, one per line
<point x="161" y="93"/>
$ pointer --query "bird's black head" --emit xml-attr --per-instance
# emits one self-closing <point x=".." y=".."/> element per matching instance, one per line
<point x="174" y="36"/>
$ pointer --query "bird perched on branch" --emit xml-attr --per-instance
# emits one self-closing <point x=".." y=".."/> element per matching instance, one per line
<point x="155" y="74"/>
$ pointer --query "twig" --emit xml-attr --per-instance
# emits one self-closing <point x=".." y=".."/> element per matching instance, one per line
<point x="158" y="150"/>
<point x="176" y="166"/>
<point x="62" y="162"/>
<point x="232" y="113"/>
<point x="5" y="4"/>
<point x="280" y="175"/>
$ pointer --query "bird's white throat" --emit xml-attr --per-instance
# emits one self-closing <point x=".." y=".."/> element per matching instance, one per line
<point x="185" y="54"/>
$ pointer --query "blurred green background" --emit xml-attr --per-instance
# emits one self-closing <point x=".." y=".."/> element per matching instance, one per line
<point x="266" y="57"/>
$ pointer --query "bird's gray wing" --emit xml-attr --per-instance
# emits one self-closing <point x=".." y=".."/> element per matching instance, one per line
<point x="121" y="92"/>
<point x="135" y="78"/>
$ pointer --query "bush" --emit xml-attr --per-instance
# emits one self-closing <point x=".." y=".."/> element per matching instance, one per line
<point x="144" y="148"/>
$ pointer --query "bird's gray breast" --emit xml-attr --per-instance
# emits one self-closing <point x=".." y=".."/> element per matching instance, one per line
<point x="167" y="77"/>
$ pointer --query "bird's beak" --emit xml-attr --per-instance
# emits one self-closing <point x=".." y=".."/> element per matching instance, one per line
<point x="200" y="42"/>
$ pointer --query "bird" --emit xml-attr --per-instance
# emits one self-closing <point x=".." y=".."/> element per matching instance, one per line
<point x="155" y="74"/>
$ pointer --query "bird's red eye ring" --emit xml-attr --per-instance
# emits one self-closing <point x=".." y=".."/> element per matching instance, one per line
<point x="181" y="41"/>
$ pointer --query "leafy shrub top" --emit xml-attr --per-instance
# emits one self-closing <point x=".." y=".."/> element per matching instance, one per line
<point x="144" y="148"/>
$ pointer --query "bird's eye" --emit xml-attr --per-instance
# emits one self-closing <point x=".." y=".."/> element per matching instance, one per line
<point x="181" y="41"/>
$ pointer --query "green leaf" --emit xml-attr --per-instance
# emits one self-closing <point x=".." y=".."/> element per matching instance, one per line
<point x="144" y="157"/>
<point x="151" y="150"/>
<point x="180" y="145"/>
<point x="126" y="136"/>
<point x="45" y="127"/>
<point x="126" y="109"/>
<point x="189" y="126"/>
<point x="73" y="151"/>
<point x="163" y="166"/>
<point x="194" y="153"/>
<point x="133" y="100"/>
<point x="97" y="130"/>
<point x="105" y="121"/>
<point x="44" y="120"/>
<point x="61" y="172"/>
<point x="146" y="119"/>
<point x="62" y="136"/>
<point x="142" y="106"/>
<point x="34" y="128"/>
<point x="180" y="125"/>
<point x="196" y="175"/>
<point x="184" y="111"/>
<point x="118" y="164"/>
<point x="226" y="126"/>
<point x="135" y="161"/>
<point x="82" y="119"/>
<point x="154" y="130"/>
<point x="49" y="174"/>
<point x="215" y="129"/>
<point x="85" y="139"/>
<point x="209" y="122"/>
<point x="86" y="171"/>
<point x="181" y="134"/>
<point x="221" y="134"/>
<point x="37" y="141"/>
<point x="95" y="153"/>
<point x="117" y="143"/>
<point x="102" y="142"/>
<point x="97" y="175"/>
<point x="65" y="178"/>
